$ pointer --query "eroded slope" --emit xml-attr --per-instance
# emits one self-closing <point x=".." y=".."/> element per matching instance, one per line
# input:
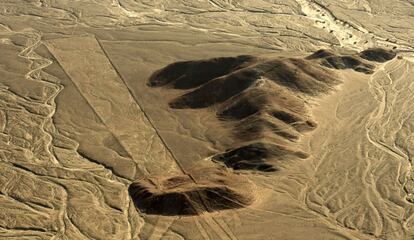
<point x="202" y="190"/>
<point x="262" y="100"/>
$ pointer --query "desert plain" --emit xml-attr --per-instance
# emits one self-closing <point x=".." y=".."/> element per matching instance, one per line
<point x="206" y="119"/>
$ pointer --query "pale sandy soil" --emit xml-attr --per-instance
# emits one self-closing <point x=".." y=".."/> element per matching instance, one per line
<point x="78" y="123"/>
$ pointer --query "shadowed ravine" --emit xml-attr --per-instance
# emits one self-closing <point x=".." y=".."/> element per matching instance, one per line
<point x="263" y="99"/>
<point x="264" y="102"/>
<point x="207" y="119"/>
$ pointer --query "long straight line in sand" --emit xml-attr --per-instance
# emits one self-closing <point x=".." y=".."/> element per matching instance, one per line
<point x="90" y="69"/>
<point x="93" y="74"/>
<point x="179" y="164"/>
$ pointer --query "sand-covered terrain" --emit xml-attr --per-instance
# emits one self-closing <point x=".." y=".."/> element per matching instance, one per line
<point x="207" y="119"/>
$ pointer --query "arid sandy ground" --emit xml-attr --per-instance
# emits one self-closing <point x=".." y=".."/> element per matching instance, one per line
<point x="79" y="122"/>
